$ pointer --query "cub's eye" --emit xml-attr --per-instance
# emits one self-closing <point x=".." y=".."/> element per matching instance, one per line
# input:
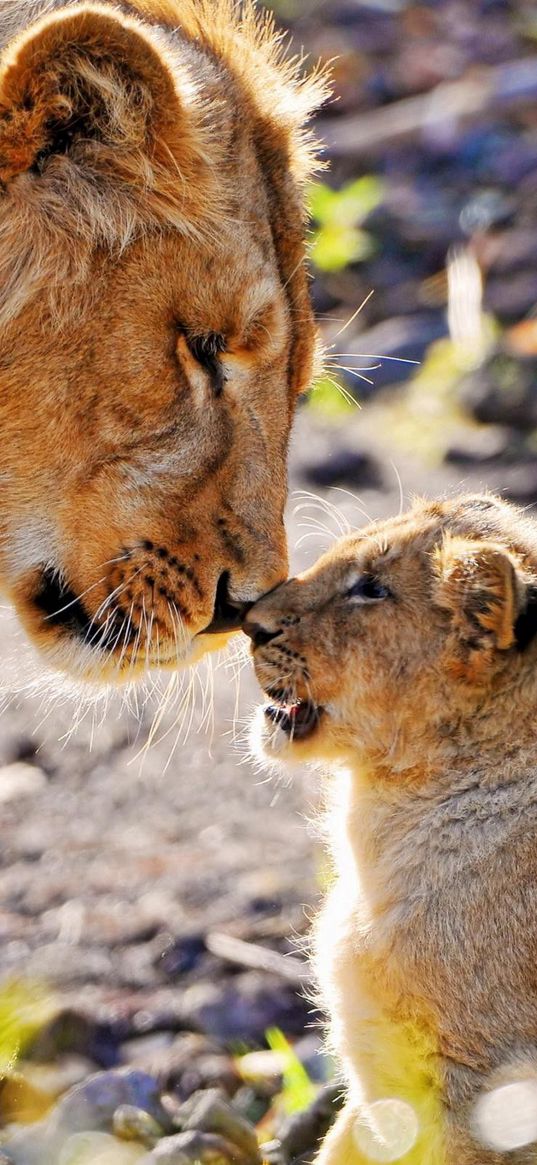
<point x="368" y="590"/>
<point x="207" y="351"/>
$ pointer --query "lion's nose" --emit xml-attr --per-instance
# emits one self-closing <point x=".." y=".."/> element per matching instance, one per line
<point x="228" y="614"/>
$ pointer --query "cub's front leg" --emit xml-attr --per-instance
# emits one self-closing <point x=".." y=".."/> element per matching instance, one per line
<point x="339" y="1146"/>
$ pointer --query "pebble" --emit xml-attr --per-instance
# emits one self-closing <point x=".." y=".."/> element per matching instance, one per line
<point x="98" y="1149"/>
<point x="304" y="1130"/>
<point x="22" y="1099"/>
<point x="253" y="1102"/>
<point x="194" y="1148"/>
<point x="28" y="1145"/>
<point x="74" y="1031"/>
<point x="133" y="1124"/>
<point x="242" y="1009"/>
<point x="56" y="1078"/>
<point x="502" y="392"/>
<point x="482" y="445"/>
<point x="20" y="780"/>
<point x="91" y="1105"/>
<point x="269" y="1065"/>
<point x="144" y="1050"/>
<point x="210" y="1112"/>
<point x="182" y="955"/>
<point x="273" y="1153"/>
<point x="262" y="1065"/>
<point x="185" y="1064"/>
<point x="344" y="466"/>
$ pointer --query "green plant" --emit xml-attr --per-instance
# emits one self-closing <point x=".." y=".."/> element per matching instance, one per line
<point x="24" y="1008"/>
<point x="298" y="1090"/>
<point x="337" y="215"/>
<point x="331" y="398"/>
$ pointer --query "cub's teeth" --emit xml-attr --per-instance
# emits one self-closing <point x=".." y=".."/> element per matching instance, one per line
<point x="297" y="720"/>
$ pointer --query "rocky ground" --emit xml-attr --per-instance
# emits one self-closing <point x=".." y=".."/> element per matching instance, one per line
<point x="155" y="887"/>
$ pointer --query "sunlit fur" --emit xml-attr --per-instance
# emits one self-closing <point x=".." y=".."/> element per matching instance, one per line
<point x="152" y="163"/>
<point x="427" y="946"/>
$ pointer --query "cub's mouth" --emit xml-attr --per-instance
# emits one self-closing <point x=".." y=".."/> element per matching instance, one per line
<point x="298" y="719"/>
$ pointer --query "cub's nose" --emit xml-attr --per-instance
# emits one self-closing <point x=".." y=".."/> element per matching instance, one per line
<point x="257" y="632"/>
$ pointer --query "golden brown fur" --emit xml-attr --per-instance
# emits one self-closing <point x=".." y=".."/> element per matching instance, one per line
<point x="416" y="641"/>
<point x="155" y="321"/>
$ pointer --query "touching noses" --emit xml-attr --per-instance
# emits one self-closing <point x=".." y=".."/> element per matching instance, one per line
<point x="227" y="614"/>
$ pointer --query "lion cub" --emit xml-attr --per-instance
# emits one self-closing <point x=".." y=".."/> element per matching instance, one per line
<point x="408" y="656"/>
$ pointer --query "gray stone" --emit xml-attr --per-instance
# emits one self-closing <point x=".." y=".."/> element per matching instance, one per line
<point x="210" y="1112"/>
<point x="190" y="1148"/>
<point x="183" y="1065"/>
<point x="57" y="1077"/>
<point x="28" y="1146"/>
<point x="88" y="1108"/>
<point x="272" y="1153"/>
<point x="133" y="1124"/>
<point x="502" y="391"/>
<point x="303" y="1131"/>
<point x="20" y="780"/>
<point x="243" y="1008"/>
<point x="91" y="1105"/>
<point x="73" y="1030"/>
<point x="344" y="466"/>
<point x="98" y="1149"/>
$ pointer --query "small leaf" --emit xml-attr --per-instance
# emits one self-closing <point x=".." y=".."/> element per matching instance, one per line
<point x="348" y="206"/>
<point x="330" y="398"/>
<point x="24" y="1009"/>
<point x="321" y="199"/>
<point x="335" y="247"/>
<point x="356" y="200"/>
<point x="298" y="1090"/>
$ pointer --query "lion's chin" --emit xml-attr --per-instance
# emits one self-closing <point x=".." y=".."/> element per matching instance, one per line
<point x="67" y="655"/>
<point x="203" y="645"/>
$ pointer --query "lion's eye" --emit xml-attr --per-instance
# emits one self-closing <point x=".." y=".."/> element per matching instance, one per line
<point x="207" y="351"/>
<point x="368" y="590"/>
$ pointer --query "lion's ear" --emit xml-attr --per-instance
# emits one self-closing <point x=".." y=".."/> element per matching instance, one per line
<point x="90" y="94"/>
<point x="487" y="595"/>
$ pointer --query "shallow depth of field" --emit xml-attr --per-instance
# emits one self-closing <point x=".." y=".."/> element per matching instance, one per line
<point x="156" y="886"/>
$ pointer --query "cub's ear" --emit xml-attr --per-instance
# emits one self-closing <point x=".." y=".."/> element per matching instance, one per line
<point x="91" y="96"/>
<point x="491" y="602"/>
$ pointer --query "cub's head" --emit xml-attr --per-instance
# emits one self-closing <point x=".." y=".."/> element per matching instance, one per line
<point x="413" y="638"/>
<point x="155" y="322"/>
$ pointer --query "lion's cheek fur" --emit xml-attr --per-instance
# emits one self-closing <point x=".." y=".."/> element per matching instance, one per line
<point x="155" y="315"/>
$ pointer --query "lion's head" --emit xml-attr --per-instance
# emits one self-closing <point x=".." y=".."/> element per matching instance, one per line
<point x="155" y="321"/>
<point x="410" y="643"/>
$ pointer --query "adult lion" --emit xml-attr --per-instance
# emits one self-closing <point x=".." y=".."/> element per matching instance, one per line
<point x="155" y="321"/>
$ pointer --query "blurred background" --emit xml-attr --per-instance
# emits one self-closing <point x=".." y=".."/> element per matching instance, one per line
<point x="153" y="881"/>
